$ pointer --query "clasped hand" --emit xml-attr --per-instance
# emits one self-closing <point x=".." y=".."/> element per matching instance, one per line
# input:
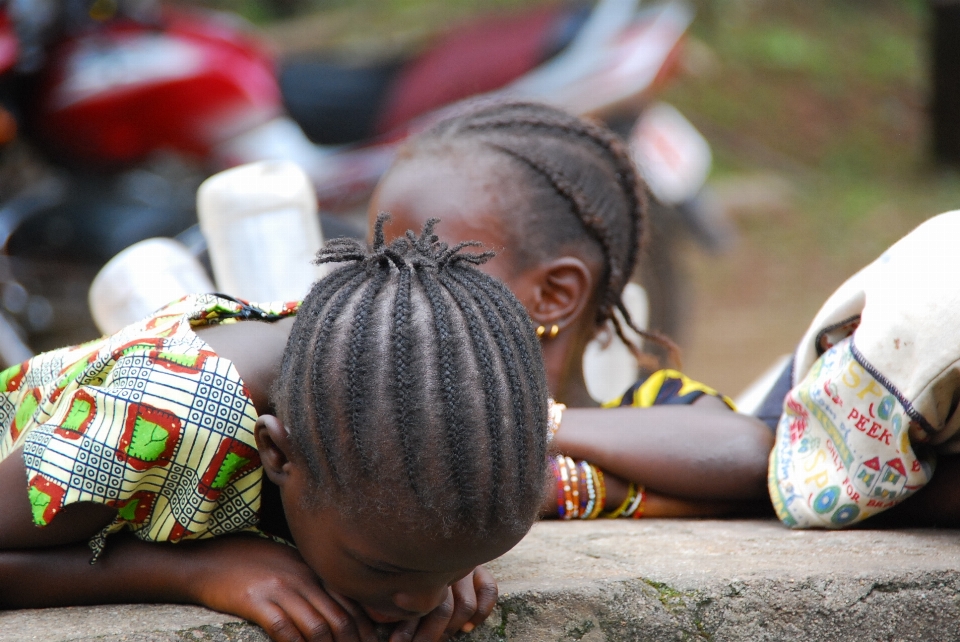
<point x="270" y="585"/>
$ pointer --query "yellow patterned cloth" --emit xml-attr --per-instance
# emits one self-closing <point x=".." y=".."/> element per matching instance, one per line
<point x="666" y="387"/>
<point x="149" y="421"/>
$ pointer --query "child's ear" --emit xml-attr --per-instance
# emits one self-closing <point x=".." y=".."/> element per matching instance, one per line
<point x="273" y="442"/>
<point x="563" y="290"/>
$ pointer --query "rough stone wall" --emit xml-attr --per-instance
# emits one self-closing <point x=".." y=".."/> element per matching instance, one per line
<point x="657" y="580"/>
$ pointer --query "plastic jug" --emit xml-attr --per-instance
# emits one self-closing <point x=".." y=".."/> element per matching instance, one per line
<point x="262" y="229"/>
<point x="143" y="278"/>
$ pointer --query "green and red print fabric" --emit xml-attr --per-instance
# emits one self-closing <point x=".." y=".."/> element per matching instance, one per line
<point x="149" y="421"/>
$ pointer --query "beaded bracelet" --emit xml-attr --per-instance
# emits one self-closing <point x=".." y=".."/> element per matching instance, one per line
<point x="586" y="508"/>
<point x="574" y="485"/>
<point x="581" y="489"/>
<point x="639" y="505"/>
<point x="561" y="505"/>
<point x="565" y="494"/>
<point x="621" y="509"/>
<point x="601" y="492"/>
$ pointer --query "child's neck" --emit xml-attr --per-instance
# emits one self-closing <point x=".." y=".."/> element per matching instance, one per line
<point x="563" y="358"/>
<point x="272" y="518"/>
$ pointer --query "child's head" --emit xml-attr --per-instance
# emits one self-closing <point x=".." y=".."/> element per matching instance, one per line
<point x="411" y="413"/>
<point x="549" y="188"/>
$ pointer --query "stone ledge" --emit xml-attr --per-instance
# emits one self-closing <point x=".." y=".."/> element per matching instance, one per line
<point x="745" y="580"/>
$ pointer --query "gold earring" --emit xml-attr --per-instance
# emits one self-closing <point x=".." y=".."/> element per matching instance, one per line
<point x="554" y="331"/>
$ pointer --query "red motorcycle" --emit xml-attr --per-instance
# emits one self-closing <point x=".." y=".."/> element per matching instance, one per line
<point x="122" y="112"/>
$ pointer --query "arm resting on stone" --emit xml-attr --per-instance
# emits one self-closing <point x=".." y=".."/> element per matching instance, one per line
<point x="701" y="451"/>
<point x="75" y="523"/>
<point x="129" y="571"/>
<point x="51" y="565"/>
<point x="253" y="578"/>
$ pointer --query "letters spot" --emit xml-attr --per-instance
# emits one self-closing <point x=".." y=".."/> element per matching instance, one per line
<point x="149" y="440"/>
<point x="885" y="409"/>
<point x="845" y="514"/>
<point x="897" y="465"/>
<point x="827" y="499"/>
<point x="883" y="493"/>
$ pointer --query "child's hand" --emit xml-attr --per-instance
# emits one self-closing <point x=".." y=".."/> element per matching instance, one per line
<point x="469" y="602"/>
<point x="271" y="585"/>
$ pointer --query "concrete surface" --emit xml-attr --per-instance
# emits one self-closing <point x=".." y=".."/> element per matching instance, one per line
<point x="646" y="580"/>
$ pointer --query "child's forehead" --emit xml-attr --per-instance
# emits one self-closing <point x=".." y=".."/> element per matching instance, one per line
<point x="477" y="166"/>
<point x="421" y="189"/>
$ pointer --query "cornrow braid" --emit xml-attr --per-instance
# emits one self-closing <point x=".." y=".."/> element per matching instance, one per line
<point x="583" y="168"/>
<point x="413" y="386"/>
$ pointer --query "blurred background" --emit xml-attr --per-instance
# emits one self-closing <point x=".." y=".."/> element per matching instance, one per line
<point x="818" y="113"/>
<point x="819" y="118"/>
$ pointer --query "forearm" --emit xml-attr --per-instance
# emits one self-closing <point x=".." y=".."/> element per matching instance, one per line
<point x="128" y="571"/>
<point x="680" y="451"/>
<point x="657" y="505"/>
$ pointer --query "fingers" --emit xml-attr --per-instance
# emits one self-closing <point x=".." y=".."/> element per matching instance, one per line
<point x="464" y="604"/>
<point x="403" y="632"/>
<point x="433" y="626"/>
<point x="487" y="593"/>
<point x="365" y="627"/>
<point x="469" y="602"/>
<point x="277" y="624"/>
<point x="310" y="618"/>
<point x="341" y="624"/>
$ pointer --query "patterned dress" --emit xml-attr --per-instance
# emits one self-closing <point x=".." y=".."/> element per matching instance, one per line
<point x="666" y="388"/>
<point x="149" y="421"/>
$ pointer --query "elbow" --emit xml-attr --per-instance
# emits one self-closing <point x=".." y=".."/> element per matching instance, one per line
<point x="752" y="454"/>
<point x="738" y="464"/>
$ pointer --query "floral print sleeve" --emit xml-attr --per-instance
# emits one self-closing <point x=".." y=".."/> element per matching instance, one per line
<point x="149" y="421"/>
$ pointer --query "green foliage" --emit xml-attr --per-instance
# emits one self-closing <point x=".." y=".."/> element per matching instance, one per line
<point x="830" y="94"/>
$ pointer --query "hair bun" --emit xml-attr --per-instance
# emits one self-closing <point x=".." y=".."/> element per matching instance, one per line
<point x="425" y="251"/>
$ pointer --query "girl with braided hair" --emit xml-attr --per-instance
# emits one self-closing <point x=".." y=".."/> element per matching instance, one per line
<point x="560" y="200"/>
<point x="392" y="427"/>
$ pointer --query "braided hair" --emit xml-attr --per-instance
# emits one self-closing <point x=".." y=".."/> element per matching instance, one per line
<point x="581" y="187"/>
<point x="415" y="382"/>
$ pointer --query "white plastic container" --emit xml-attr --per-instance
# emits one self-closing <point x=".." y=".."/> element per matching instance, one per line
<point x="262" y="230"/>
<point x="143" y="278"/>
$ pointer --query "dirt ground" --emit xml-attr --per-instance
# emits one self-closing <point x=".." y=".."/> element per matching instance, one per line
<point x="741" y="326"/>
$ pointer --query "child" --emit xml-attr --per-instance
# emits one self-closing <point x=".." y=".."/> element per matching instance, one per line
<point x="393" y="427"/>
<point x="873" y="410"/>
<point x="560" y="199"/>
